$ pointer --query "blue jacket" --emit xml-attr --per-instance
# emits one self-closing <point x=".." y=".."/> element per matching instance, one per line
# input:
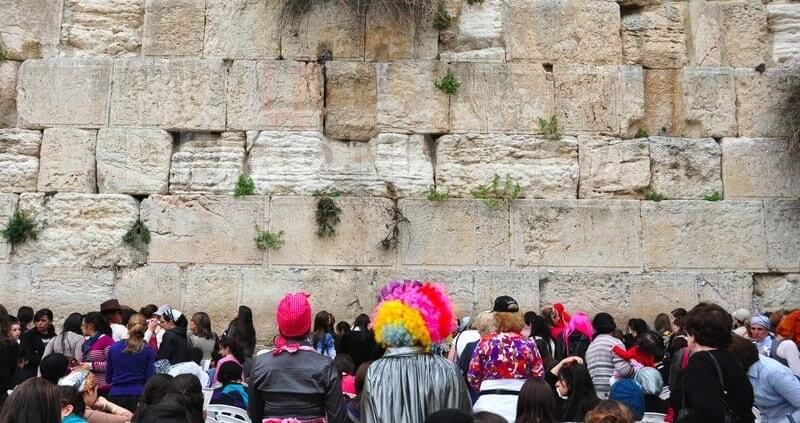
<point x="776" y="390"/>
<point x="127" y="373"/>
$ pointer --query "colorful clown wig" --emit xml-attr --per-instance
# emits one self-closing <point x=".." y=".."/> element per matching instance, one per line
<point x="412" y="313"/>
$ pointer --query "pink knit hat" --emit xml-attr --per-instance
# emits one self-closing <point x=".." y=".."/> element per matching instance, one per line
<point x="294" y="315"/>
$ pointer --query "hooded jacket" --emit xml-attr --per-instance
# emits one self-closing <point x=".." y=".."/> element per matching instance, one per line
<point x="174" y="346"/>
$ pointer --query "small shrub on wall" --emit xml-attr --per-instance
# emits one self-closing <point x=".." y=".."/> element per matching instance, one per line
<point x="398" y="9"/>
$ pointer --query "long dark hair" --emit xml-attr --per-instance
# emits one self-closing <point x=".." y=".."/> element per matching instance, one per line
<point x="45" y="312"/>
<point x="155" y="390"/>
<point x="100" y="324"/>
<point x="582" y="396"/>
<point x="202" y="325"/>
<point x="35" y="400"/>
<point x="71" y="324"/>
<point x="233" y="346"/>
<point x="5" y="325"/>
<point x="321" y="327"/>
<point x="243" y="323"/>
<point x="362" y="322"/>
<point x="189" y="392"/>
<point x="536" y="403"/>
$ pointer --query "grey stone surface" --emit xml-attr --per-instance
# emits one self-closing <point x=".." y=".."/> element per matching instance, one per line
<point x="68" y="160"/>
<point x="242" y="29"/>
<point x="8" y="93"/>
<point x="207" y="163"/>
<point x="782" y="219"/>
<point x="613" y="167"/>
<point x="174" y="27"/>
<point x="30" y="28"/>
<point x="777" y="291"/>
<point x="133" y="161"/>
<point x="408" y="101"/>
<point x="105" y="28"/>
<point x="19" y="159"/>
<point x="684" y="168"/>
<point x="760" y="167"/>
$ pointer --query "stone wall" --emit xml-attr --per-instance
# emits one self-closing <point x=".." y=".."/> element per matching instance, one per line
<point x="118" y="111"/>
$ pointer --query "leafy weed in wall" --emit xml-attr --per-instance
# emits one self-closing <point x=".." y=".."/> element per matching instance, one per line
<point x="328" y="213"/>
<point x="20" y="228"/>
<point x="494" y="193"/>
<point x="266" y="240"/>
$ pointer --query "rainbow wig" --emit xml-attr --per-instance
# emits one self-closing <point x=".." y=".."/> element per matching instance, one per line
<point x="412" y="313"/>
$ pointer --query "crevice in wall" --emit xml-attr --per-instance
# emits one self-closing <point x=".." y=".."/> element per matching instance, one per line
<point x="431" y="145"/>
<point x="175" y="140"/>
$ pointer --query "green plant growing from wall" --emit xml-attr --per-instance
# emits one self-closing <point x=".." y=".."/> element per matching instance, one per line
<point x="266" y="240"/>
<point x="641" y="133"/>
<point x="20" y="228"/>
<point x="715" y="196"/>
<point x="448" y="84"/>
<point x="549" y="128"/>
<point x="2" y="54"/>
<point x="393" y="237"/>
<point x="138" y="236"/>
<point x="494" y="193"/>
<point x="328" y="213"/>
<point x="437" y="196"/>
<point x="653" y="196"/>
<point x="443" y="19"/>
<point x="244" y="186"/>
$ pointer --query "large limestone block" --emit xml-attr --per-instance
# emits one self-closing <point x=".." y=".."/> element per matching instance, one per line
<point x="8" y="205"/>
<point x="63" y="92"/>
<point x="351" y="97"/>
<point x="760" y="167"/>
<point x="388" y="38"/>
<point x="284" y="163"/>
<point x="8" y="93"/>
<point x="709" y="102"/>
<point x="203" y="229"/>
<point x="150" y="284"/>
<point x="777" y="292"/>
<point x="455" y="232"/>
<point x="576" y="234"/>
<point x="275" y="95"/>
<point x="207" y="163"/>
<point x="79" y="230"/>
<point x="685" y="168"/>
<point x="66" y="288"/>
<point x="30" y="28"/>
<point x="703" y="235"/>
<point x="654" y="37"/>
<point x="783" y="235"/>
<point x="663" y="101"/>
<point x="478" y="32"/>
<point x="405" y="162"/>
<point x="19" y="159"/>
<point x="763" y="105"/>
<point x="563" y="31"/>
<point x="784" y="24"/>
<point x="408" y="101"/>
<point x="68" y="160"/>
<point x="328" y="29"/>
<point x="501" y="98"/>
<point x="732" y="290"/>
<point x="732" y="33"/>
<point x="99" y="28"/>
<point x="242" y="29"/>
<point x="214" y="290"/>
<point x="178" y="94"/>
<point x="133" y="161"/>
<point x="543" y="168"/>
<point x="613" y="168"/>
<point x="174" y="27"/>
<point x="599" y="99"/>
<point x="350" y="168"/>
<point x="358" y="235"/>
<point x="17" y="280"/>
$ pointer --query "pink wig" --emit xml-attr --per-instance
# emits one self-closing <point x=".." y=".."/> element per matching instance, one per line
<point x="580" y="323"/>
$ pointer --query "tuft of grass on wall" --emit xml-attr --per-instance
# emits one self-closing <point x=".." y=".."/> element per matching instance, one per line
<point x="266" y="240"/>
<point x="244" y="186"/>
<point x="448" y="84"/>
<point x="494" y="193"/>
<point x="19" y="229"/>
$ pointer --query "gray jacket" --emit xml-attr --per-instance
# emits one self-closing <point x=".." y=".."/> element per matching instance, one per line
<point x="301" y="385"/>
<point x="67" y="343"/>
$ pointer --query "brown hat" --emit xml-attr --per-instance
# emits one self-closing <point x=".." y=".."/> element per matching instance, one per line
<point x="110" y="305"/>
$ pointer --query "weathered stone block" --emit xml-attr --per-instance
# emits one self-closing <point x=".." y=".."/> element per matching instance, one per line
<point x="784" y="24"/>
<point x="600" y="99"/>
<point x="586" y="233"/>
<point x="709" y="102"/>
<point x="350" y="169"/>
<point x="67" y="288"/>
<point x="477" y="33"/>
<point x="174" y="27"/>
<point x="8" y="205"/>
<point x="776" y="292"/>
<point x="358" y="235"/>
<point x="405" y="162"/>
<point x="221" y="287"/>
<point x="284" y="163"/>
<point x="93" y="28"/>
<point x="196" y="229"/>
<point x="150" y="284"/>
<point x="663" y="101"/>
<point x="501" y="98"/>
<point x="727" y="33"/>
<point x="179" y="94"/>
<point x="783" y="235"/>
<point x="760" y="167"/>
<point x="685" y="168"/>
<point x="275" y="95"/>
<point x="351" y="90"/>
<point x="207" y="163"/>
<point x="68" y="160"/>
<point x="563" y="31"/>
<point x="79" y="230"/>
<point x="408" y="100"/>
<point x="19" y="159"/>
<point x="543" y="168"/>
<point x="242" y="29"/>
<point x="703" y="235"/>
<point x="327" y="29"/>
<point x="133" y="161"/>
<point x="456" y="232"/>
<point x="762" y="101"/>
<point x="654" y="37"/>
<point x="63" y="92"/>
<point x="30" y="29"/>
<point x="730" y="290"/>
<point x="613" y="168"/>
<point x="8" y="93"/>
<point x="16" y="285"/>
<point x="388" y="38"/>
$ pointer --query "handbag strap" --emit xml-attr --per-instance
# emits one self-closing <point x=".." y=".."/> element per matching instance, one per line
<point x="722" y="384"/>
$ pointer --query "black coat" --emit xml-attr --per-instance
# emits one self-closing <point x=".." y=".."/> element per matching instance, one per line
<point x="578" y="344"/>
<point x="32" y="345"/>
<point x="174" y="346"/>
<point x="360" y="345"/>
<point x="9" y="352"/>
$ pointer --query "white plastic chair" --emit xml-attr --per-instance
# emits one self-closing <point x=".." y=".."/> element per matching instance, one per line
<point x="226" y="413"/>
<point x="210" y="419"/>
<point x="653" y="418"/>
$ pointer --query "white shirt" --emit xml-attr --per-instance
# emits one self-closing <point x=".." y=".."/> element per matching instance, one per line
<point x="190" y="368"/>
<point x="118" y="332"/>
<point x="788" y="351"/>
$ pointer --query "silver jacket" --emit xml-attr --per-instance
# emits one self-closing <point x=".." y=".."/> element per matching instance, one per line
<point x="408" y="384"/>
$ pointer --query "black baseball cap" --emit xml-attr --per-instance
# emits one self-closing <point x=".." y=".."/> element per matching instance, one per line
<point x="505" y="304"/>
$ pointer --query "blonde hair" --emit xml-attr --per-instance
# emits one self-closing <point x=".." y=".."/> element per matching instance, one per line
<point x="484" y="323"/>
<point x="137" y="325"/>
<point x="508" y="322"/>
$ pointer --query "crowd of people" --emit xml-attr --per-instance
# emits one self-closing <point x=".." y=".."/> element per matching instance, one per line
<point x="411" y="361"/>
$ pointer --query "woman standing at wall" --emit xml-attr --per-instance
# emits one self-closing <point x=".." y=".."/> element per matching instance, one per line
<point x="242" y="330"/>
<point x="95" y="348"/>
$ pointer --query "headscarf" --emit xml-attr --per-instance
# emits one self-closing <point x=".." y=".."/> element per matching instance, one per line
<point x="789" y="327"/>
<point x="82" y="380"/>
<point x="412" y="313"/>
<point x="630" y="394"/>
<point x="741" y="314"/>
<point x="761" y="320"/>
<point x="650" y="380"/>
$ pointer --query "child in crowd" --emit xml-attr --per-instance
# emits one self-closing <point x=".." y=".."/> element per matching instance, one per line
<point x="232" y="392"/>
